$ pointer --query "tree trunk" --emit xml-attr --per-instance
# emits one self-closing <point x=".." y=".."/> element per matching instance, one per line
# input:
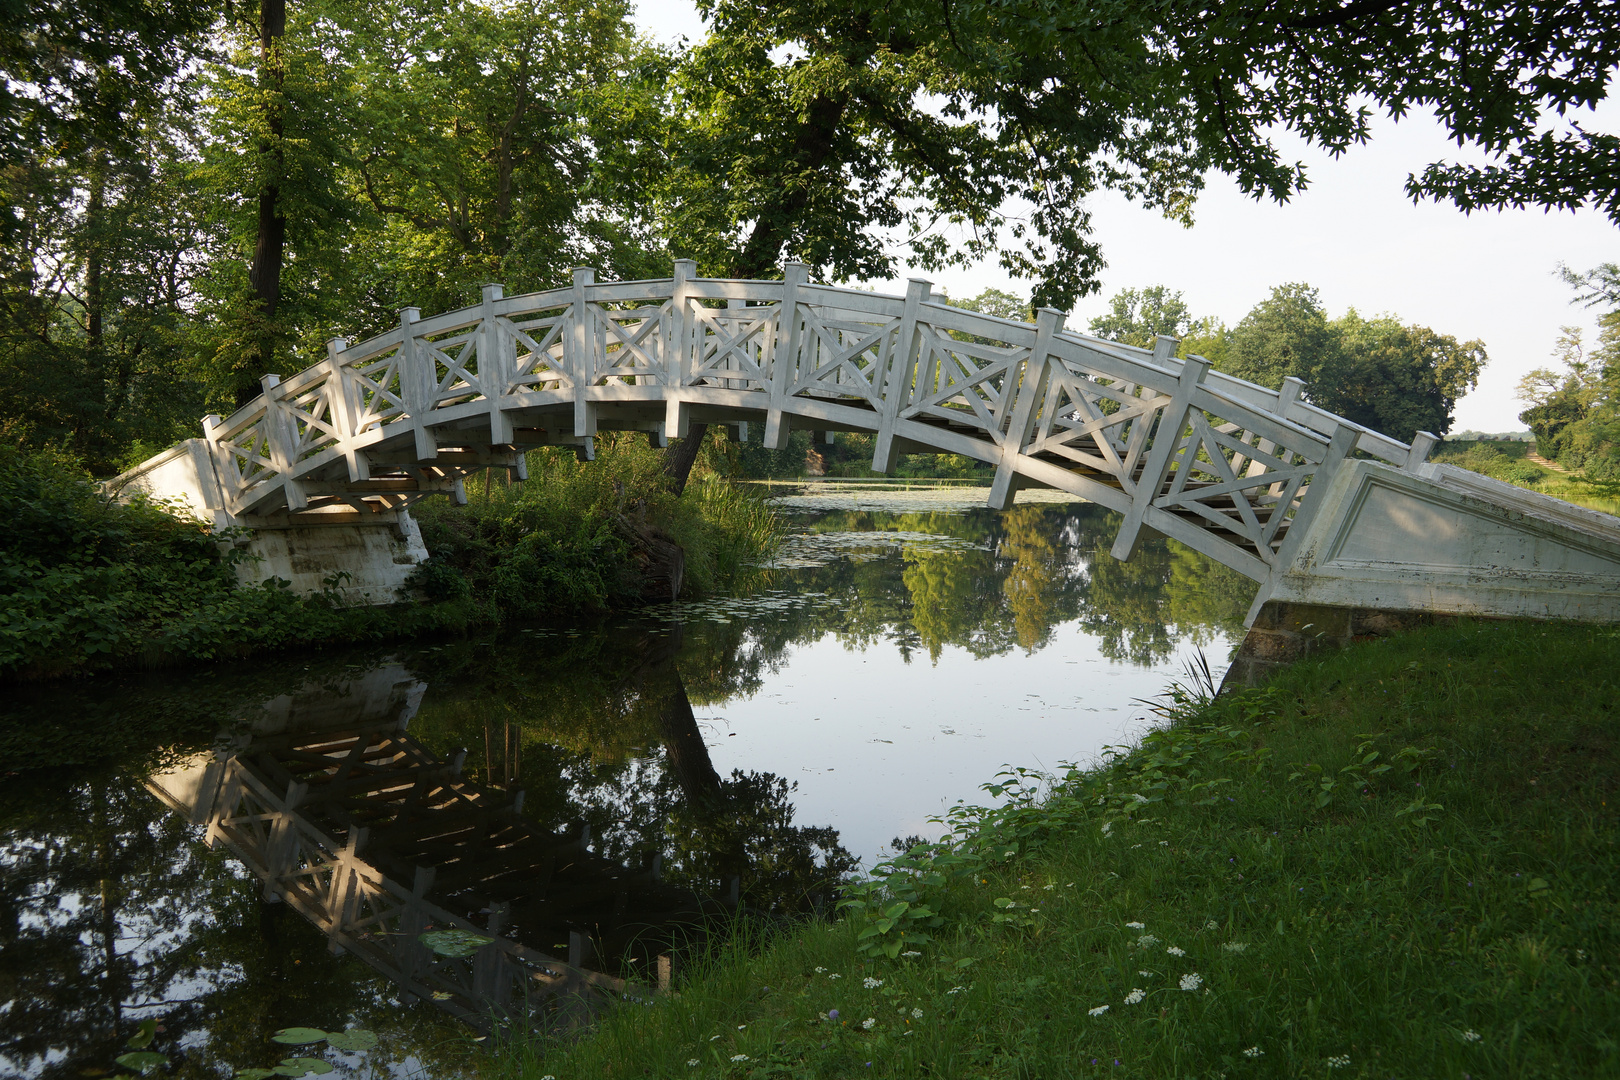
<point x="269" y="249"/>
<point x="679" y="459"/>
<point x="683" y="742"/>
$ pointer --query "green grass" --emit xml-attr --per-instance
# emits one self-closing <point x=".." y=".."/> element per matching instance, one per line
<point x="1451" y="916"/>
<point x="1507" y="460"/>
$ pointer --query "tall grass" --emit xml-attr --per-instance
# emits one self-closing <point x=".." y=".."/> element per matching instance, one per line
<point x="1398" y="861"/>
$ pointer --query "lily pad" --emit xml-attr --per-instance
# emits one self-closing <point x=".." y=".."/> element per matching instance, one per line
<point x="144" y="1034"/>
<point x="298" y="1036"/>
<point x="255" y="1074"/>
<point x="141" y="1061"/>
<point x="354" y="1040"/>
<point x="301" y="1066"/>
<point x="454" y="943"/>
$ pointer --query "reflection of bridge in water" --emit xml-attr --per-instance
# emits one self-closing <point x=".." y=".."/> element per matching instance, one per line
<point x="375" y="840"/>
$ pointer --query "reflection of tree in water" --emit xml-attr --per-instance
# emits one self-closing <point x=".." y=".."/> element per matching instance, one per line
<point x="1031" y="569"/>
<point x="113" y="911"/>
<point x="605" y="736"/>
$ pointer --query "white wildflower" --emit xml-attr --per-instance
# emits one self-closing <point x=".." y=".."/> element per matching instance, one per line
<point x="713" y="1037"/>
<point x="1470" y="1036"/>
<point x="1341" y="1061"/>
<point x="1176" y="950"/>
<point x="1140" y="798"/>
<point x="957" y="990"/>
<point x="1049" y="888"/>
<point x="739" y="1057"/>
<point x="1192" y="982"/>
<point x="1146" y="941"/>
<point x="1136" y="926"/>
<point x="820" y="970"/>
<point x="1008" y="854"/>
<point x="693" y="1063"/>
<point x="1146" y="974"/>
<point x="869" y="1023"/>
<point x="1098" y="1011"/>
<point x="911" y="952"/>
<point x="1135" y="846"/>
<point x="1212" y="925"/>
<point x="1108" y="827"/>
<point x="835" y="975"/>
<point x="1235" y="946"/>
<point x="1164" y="843"/>
<point x="916" y="1014"/>
<point x="742" y="1027"/>
<point x="1135" y="997"/>
<point x="871" y="983"/>
<point x="1253" y="1052"/>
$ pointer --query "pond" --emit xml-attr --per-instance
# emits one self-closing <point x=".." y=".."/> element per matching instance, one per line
<point x="298" y="842"/>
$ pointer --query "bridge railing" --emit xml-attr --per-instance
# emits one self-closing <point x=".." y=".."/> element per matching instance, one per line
<point x="1165" y="440"/>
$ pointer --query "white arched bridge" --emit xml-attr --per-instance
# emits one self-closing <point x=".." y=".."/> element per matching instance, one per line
<point x="1258" y="479"/>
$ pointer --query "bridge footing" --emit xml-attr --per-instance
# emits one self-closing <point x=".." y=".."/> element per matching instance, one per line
<point x="1284" y="633"/>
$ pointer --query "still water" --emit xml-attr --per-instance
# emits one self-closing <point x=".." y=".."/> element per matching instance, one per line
<point x="234" y="851"/>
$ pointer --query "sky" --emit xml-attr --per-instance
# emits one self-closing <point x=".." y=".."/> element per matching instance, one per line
<point x="1353" y="234"/>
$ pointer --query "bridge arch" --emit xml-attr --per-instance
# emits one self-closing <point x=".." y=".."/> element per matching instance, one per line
<point x="1240" y="472"/>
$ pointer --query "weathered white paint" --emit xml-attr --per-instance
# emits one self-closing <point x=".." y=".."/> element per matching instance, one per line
<point x="1447" y="541"/>
<point x="1239" y="472"/>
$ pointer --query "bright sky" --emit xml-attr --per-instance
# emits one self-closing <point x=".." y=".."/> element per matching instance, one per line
<point x="1355" y="236"/>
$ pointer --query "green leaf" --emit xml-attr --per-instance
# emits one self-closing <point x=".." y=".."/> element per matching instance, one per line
<point x="141" y="1061"/>
<point x="301" y="1066"/>
<point x="892" y="949"/>
<point x="894" y="911"/>
<point x="255" y="1074"/>
<point x="966" y="962"/>
<point x="144" y="1034"/>
<point x="454" y="943"/>
<point x="354" y="1040"/>
<point x="296" y="1036"/>
<point x="1002" y="902"/>
<point x="1537" y="885"/>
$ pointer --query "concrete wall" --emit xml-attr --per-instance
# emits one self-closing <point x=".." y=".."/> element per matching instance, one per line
<point x="377" y="555"/>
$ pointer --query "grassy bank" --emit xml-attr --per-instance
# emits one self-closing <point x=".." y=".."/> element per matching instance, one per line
<point x="88" y="583"/>
<point x="1508" y="460"/>
<point x="1397" y="861"/>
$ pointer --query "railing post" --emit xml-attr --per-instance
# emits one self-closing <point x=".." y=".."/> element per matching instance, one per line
<point x="581" y="356"/>
<point x="227" y="477"/>
<point x="495" y="366"/>
<point x="678" y="357"/>
<point x="418" y="383"/>
<point x="282" y="435"/>
<point x="1339" y="448"/>
<point x="346" y="407"/>
<point x="1422" y="443"/>
<point x="784" y="355"/>
<point x="894" y="381"/>
<point x="1031" y="389"/>
<point x="1174" y="417"/>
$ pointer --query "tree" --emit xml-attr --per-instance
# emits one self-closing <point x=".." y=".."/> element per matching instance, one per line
<point x="1137" y="317"/>
<point x="1287" y="334"/>
<point x="1502" y="78"/>
<point x="1394" y="378"/>
<point x="1397" y="379"/>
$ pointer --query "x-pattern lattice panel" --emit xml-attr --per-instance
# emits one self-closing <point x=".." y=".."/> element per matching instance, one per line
<point x="628" y="343"/>
<point x="538" y="351"/>
<point x="1098" y="423"/>
<point x="843" y="357"/>
<point x="1229" y="477"/>
<point x="382" y="391"/>
<point x="456" y="367"/>
<point x="964" y="380"/>
<point x="313" y="414"/>
<point x="734" y="345"/>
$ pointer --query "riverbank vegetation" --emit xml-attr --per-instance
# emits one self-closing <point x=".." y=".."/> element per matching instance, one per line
<point x="1394" y="860"/>
<point x="90" y="583"/>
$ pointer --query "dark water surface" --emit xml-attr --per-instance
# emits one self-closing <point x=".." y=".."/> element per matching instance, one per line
<point x="588" y="798"/>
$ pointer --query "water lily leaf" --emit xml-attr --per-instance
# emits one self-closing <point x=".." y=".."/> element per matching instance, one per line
<point x="255" y="1074"/>
<point x="355" y="1039"/>
<point x="144" y="1034"/>
<point x="298" y="1036"/>
<point x="454" y="943"/>
<point x="301" y="1066"/>
<point x="142" y="1061"/>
